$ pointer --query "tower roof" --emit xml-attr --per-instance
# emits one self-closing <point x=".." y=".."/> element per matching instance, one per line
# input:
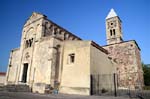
<point x="111" y="14"/>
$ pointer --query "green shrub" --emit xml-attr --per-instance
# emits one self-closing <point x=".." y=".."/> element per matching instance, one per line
<point x="146" y="87"/>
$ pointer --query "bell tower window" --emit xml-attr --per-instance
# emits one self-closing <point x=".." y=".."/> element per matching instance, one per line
<point x="114" y="32"/>
<point x="110" y="32"/>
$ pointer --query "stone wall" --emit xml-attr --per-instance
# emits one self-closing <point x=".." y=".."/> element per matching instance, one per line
<point x="127" y="56"/>
<point x="113" y="30"/>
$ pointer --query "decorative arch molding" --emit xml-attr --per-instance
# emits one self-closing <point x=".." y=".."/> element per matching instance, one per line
<point x="29" y="29"/>
<point x="38" y="27"/>
<point x="29" y="33"/>
<point x="26" y="57"/>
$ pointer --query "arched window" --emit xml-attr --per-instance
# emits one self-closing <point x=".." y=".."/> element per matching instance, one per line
<point x="114" y="32"/>
<point x="28" y="43"/>
<point x="110" y="32"/>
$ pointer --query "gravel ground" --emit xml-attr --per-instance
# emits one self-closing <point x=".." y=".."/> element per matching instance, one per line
<point x="23" y="95"/>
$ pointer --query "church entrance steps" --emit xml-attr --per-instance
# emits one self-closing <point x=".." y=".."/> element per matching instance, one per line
<point x="15" y="88"/>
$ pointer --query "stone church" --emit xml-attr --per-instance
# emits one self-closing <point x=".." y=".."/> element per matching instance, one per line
<point x="50" y="57"/>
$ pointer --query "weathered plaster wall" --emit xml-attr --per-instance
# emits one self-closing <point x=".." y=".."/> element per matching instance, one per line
<point x="102" y="69"/>
<point x="32" y="29"/>
<point x="76" y="76"/>
<point x="41" y="66"/>
<point x="13" y="65"/>
<point x="44" y="59"/>
<point x="89" y="60"/>
<point x="100" y="64"/>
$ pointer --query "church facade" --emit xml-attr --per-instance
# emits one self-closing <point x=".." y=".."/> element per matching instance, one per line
<point x="52" y="58"/>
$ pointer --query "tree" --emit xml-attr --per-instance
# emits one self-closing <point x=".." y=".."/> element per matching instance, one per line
<point x="146" y="70"/>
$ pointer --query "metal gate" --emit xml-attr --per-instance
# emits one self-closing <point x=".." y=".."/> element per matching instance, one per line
<point x="113" y="85"/>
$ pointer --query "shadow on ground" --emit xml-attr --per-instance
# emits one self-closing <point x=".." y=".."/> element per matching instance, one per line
<point x="26" y="95"/>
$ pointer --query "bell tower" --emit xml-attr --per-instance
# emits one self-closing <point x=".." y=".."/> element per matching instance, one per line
<point x="113" y="28"/>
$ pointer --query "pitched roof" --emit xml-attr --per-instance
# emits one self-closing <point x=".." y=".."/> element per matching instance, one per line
<point x="111" y="14"/>
<point x="124" y="42"/>
<point x="99" y="47"/>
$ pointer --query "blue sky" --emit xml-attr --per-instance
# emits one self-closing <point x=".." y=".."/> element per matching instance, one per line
<point x="84" y="18"/>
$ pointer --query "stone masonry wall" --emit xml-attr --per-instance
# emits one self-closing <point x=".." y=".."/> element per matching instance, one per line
<point x="127" y="56"/>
